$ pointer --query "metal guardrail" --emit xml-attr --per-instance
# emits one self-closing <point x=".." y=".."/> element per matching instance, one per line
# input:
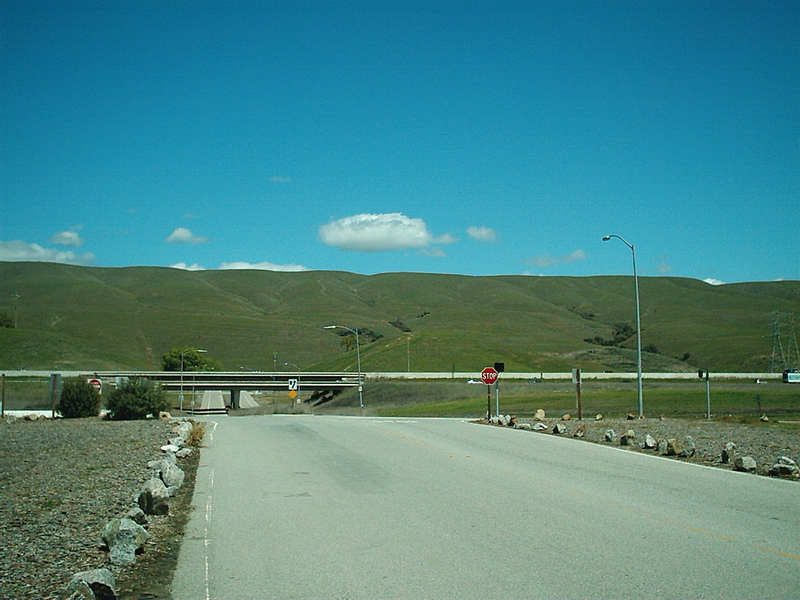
<point x="284" y="375"/>
<point x="213" y="380"/>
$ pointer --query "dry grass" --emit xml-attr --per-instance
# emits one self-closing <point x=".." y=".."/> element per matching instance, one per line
<point x="197" y="434"/>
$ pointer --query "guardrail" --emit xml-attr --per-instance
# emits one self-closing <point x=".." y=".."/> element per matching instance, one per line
<point x="216" y="380"/>
<point x="285" y="375"/>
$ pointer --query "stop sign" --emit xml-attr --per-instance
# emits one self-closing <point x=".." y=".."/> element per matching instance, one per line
<point x="489" y="375"/>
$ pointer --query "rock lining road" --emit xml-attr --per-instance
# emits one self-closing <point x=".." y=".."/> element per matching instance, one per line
<point x="765" y="442"/>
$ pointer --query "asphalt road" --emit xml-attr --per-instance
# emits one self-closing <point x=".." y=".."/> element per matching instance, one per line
<point x="337" y="507"/>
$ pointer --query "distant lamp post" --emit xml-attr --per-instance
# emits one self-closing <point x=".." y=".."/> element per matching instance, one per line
<point x="358" y="355"/>
<point x="638" y="319"/>
<point x="183" y="354"/>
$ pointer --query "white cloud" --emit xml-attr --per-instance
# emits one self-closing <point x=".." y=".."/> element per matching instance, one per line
<point x="240" y="265"/>
<point x="67" y="238"/>
<point x="664" y="268"/>
<point x="482" y="234"/>
<point x="279" y="179"/>
<point x="185" y="267"/>
<point x="184" y="236"/>
<point x="376" y="233"/>
<point x="18" y="250"/>
<point x="433" y="252"/>
<point x="712" y="281"/>
<point x="445" y="239"/>
<point x="262" y="266"/>
<point x="546" y="260"/>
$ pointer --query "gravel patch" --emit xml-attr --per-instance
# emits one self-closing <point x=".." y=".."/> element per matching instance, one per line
<point x="765" y="442"/>
<point x="61" y="481"/>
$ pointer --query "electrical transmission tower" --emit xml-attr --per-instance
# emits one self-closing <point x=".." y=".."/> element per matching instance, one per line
<point x="785" y="354"/>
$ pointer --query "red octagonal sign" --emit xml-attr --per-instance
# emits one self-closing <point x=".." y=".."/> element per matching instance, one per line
<point x="489" y="375"/>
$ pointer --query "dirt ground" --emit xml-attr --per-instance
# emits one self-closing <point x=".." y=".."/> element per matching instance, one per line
<point x="61" y="481"/>
<point x="765" y="442"/>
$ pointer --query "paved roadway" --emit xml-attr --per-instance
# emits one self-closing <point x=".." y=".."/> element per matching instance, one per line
<point x="337" y="507"/>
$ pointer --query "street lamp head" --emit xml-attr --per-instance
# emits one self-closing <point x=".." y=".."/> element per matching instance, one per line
<point x="358" y="354"/>
<point x="341" y="327"/>
<point x="620" y="238"/>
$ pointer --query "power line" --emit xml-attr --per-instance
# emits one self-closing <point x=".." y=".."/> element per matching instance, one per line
<point x="785" y="353"/>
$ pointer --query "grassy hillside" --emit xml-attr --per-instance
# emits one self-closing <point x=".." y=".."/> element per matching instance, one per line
<point x="72" y="317"/>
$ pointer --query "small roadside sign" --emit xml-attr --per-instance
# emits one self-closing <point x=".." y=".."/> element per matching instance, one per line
<point x="293" y="383"/>
<point x="489" y="375"/>
<point x="576" y="381"/>
<point x="97" y="384"/>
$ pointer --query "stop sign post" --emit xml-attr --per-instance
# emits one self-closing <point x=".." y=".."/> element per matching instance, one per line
<point x="489" y="376"/>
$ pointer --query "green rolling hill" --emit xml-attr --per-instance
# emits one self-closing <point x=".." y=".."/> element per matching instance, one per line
<point x="93" y="318"/>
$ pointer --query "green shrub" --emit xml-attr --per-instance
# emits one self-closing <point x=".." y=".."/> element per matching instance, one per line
<point x="135" y="399"/>
<point x="79" y="399"/>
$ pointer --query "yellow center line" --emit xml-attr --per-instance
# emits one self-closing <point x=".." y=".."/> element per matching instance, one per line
<point x="403" y="437"/>
<point x="794" y="556"/>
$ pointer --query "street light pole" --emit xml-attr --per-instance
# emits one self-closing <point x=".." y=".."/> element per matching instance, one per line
<point x="358" y="357"/>
<point x="638" y="319"/>
<point x="182" y="355"/>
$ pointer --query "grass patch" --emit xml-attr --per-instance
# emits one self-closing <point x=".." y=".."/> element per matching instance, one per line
<point x="95" y="318"/>
<point x="27" y="393"/>
<point x="51" y="503"/>
<point x="615" y="400"/>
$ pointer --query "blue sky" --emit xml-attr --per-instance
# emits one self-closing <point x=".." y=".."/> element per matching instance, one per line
<point x="461" y="137"/>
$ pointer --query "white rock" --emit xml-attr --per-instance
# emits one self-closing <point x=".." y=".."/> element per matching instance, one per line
<point x="99" y="581"/>
<point x="744" y="463"/>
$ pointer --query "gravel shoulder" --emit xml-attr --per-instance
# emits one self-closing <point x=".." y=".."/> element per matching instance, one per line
<point x="765" y="442"/>
<point x="61" y="481"/>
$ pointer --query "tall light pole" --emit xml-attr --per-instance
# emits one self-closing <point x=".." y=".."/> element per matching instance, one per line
<point x="358" y="356"/>
<point x="183" y="354"/>
<point x="638" y="319"/>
